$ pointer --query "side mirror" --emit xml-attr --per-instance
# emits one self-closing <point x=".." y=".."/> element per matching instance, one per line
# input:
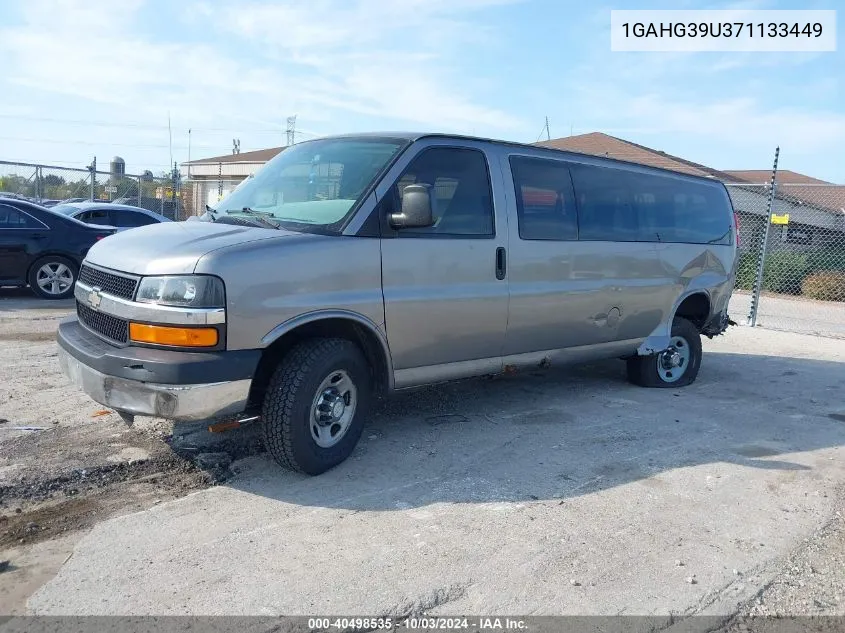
<point x="417" y="208"/>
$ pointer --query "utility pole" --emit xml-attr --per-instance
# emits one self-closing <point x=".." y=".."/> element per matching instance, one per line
<point x="189" y="153"/>
<point x="548" y="132"/>
<point x="291" y="131"/>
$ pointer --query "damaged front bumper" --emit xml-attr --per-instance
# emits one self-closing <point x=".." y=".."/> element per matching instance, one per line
<point x="179" y="386"/>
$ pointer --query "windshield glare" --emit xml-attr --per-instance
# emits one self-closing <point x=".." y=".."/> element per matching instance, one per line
<point x="313" y="183"/>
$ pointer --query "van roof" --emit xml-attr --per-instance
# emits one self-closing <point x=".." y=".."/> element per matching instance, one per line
<point x="415" y="136"/>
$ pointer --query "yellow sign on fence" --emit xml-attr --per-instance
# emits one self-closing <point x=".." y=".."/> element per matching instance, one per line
<point x="780" y="219"/>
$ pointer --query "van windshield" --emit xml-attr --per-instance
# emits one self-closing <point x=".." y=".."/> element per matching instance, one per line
<point x="313" y="184"/>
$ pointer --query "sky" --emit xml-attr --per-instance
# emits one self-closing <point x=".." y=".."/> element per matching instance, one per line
<point x="85" y="78"/>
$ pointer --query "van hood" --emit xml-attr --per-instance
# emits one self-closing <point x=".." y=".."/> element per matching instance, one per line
<point x="171" y="248"/>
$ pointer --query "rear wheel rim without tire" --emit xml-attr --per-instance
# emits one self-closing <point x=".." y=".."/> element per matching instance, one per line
<point x="333" y="409"/>
<point x="672" y="363"/>
<point x="54" y="278"/>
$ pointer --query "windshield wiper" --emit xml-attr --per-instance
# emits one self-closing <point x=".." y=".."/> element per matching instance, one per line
<point x="261" y="217"/>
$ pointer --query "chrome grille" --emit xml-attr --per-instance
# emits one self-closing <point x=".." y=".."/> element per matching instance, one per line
<point x="106" y="325"/>
<point x="110" y="283"/>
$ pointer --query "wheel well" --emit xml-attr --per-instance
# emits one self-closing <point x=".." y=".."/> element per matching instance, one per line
<point x="695" y="308"/>
<point x="324" y="328"/>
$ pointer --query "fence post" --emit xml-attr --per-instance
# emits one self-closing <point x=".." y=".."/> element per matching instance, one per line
<point x="219" y="181"/>
<point x="173" y="179"/>
<point x="93" y="168"/>
<point x="39" y="183"/>
<point x="139" y="191"/>
<point x="761" y="260"/>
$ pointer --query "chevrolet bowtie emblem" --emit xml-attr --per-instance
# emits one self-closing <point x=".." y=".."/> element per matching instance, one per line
<point x="94" y="298"/>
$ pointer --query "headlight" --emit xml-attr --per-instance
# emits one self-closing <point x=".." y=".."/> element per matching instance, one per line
<point x="189" y="291"/>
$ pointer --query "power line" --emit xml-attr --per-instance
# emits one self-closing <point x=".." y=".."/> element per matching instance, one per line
<point x="145" y="126"/>
<point x="106" y="143"/>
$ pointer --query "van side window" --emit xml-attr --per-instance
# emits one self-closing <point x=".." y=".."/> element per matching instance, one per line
<point x="673" y="209"/>
<point x="625" y="206"/>
<point x="605" y="204"/>
<point x="464" y="199"/>
<point x="545" y="203"/>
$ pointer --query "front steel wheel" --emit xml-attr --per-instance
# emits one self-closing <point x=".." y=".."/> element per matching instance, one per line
<point x="316" y="404"/>
<point x="333" y="409"/>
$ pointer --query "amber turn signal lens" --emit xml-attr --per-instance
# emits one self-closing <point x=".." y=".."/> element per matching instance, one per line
<point x="176" y="336"/>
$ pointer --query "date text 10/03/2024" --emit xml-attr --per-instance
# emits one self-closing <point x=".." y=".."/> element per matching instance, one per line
<point x="422" y="623"/>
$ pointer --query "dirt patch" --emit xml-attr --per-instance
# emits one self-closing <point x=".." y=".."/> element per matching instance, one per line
<point x="49" y="507"/>
<point x="66" y="463"/>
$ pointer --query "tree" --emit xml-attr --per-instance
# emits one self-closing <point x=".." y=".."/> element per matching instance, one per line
<point x="12" y="183"/>
<point x="52" y="180"/>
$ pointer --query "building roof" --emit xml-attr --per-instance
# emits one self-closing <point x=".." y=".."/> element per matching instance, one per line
<point x="785" y="177"/>
<point x="599" y="144"/>
<point x="798" y="188"/>
<point x="257" y="156"/>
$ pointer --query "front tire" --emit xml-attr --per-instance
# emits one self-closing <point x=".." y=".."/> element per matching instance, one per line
<point x="676" y="366"/>
<point x="52" y="277"/>
<point x="315" y="405"/>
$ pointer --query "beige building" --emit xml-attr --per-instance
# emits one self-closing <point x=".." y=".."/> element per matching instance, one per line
<point x="207" y="180"/>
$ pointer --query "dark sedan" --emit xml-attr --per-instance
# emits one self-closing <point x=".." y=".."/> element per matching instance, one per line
<point x="43" y="249"/>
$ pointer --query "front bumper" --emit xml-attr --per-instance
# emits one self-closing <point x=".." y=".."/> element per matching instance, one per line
<point x="179" y="386"/>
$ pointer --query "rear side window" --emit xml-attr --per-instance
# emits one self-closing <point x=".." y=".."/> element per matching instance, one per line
<point x="545" y="202"/>
<point x="95" y="216"/>
<point x="605" y="204"/>
<point x="620" y="205"/>
<point x="11" y="218"/>
<point x="132" y="219"/>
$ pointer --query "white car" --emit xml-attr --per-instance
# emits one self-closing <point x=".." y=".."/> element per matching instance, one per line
<point x="120" y="216"/>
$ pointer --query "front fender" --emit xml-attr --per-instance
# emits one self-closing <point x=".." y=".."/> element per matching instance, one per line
<point x="377" y="331"/>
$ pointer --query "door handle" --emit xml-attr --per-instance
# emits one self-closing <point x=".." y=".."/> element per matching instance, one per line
<point x="38" y="236"/>
<point x="501" y="263"/>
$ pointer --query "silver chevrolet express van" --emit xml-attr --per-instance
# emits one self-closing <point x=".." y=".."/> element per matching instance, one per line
<point x="356" y="265"/>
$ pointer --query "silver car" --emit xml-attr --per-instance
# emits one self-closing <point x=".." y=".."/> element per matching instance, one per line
<point x="120" y="216"/>
<point x="356" y="265"/>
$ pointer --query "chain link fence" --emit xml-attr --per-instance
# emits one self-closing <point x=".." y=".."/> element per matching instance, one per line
<point x="49" y="185"/>
<point x="801" y="246"/>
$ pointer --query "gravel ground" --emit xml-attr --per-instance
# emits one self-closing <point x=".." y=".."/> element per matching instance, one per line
<point x="565" y="491"/>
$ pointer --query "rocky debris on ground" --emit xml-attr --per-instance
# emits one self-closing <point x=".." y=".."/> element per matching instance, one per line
<point x="213" y="461"/>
